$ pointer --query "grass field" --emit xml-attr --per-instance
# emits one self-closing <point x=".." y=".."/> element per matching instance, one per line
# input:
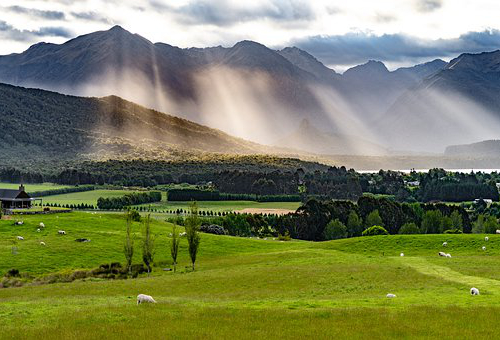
<point x="33" y="187"/>
<point x="248" y="288"/>
<point x="87" y="197"/>
<point x="217" y="206"/>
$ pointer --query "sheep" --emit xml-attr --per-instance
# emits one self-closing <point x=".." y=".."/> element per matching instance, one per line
<point x="19" y="223"/>
<point x="390" y="296"/>
<point x="484" y="248"/>
<point x="20" y="238"/>
<point x="38" y="230"/>
<point x="445" y="244"/>
<point x="42" y="225"/>
<point x="442" y="254"/>
<point x="448" y="255"/>
<point x="42" y="243"/>
<point x="474" y="291"/>
<point x="142" y="298"/>
<point x="61" y="232"/>
<point x="486" y="238"/>
<point x="498" y="231"/>
<point x="402" y="254"/>
<point x="182" y="234"/>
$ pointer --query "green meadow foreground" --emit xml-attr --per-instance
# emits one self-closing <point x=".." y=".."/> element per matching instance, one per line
<point x="249" y="288"/>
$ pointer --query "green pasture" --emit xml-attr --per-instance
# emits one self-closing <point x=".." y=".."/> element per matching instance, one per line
<point x="248" y="288"/>
<point x="86" y="197"/>
<point x="33" y="187"/>
<point x="221" y="206"/>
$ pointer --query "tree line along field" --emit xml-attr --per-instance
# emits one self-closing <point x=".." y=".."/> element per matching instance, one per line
<point x="248" y="288"/>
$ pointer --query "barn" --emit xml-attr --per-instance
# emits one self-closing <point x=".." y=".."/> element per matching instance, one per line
<point x="15" y="199"/>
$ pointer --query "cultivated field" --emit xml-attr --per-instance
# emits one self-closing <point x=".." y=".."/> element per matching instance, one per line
<point x="248" y="288"/>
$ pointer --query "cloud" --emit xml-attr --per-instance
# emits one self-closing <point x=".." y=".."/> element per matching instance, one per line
<point x="91" y="16"/>
<point x="8" y="31"/>
<point x="49" y="15"/>
<point x="429" y="5"/>
<point x="354" y="48"/>
<point x="224" y="13"/>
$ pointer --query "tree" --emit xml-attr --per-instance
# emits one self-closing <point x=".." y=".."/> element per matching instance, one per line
<point x="456" y="220"/>
<point x="174" y="246"/>
<point x="375" y="230"/>
<point x="335" y="230"/>
<point x="128" y="248"/>
<point x="192" y="225"/>
<point x="1" y="210"/>
<point x="374" y="218"/>
<point x="478" y="227"/>
<point x="148" y="244"/>
<point x="409" y="228"/>
<point x="432" y="222"/>
<point x="354" y="224"/>
<point x="491" y="225"/>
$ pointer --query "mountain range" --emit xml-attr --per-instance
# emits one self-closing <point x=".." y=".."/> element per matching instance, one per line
<point x="261" y="94"/>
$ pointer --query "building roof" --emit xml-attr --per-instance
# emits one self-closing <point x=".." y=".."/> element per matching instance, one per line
<point x="12" y="194"/>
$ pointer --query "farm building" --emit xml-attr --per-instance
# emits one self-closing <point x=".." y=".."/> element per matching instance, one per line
<point x="15" y="199"/>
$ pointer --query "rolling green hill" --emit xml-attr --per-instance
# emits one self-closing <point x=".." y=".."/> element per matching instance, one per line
<point x="248" y="288"/>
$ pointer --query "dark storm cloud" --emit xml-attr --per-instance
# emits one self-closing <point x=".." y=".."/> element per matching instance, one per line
<point x="50" y="15"/>
<point x="11" y="33"/>
<point x="429" y="5"/>
<point x="353" y="48"/>
<point x="223" y="13"/>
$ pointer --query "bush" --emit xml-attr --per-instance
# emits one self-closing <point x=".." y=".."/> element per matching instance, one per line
<point x="212" y="229"/>
<point x="335" y="230"/>
<point x="12" y="273"/>
<point x="453" y="231"/>
<point x="375" y="230"/>
<point x="285" y="237"/>
<point x="409" y="229"/>
<point x="135" y="216"/>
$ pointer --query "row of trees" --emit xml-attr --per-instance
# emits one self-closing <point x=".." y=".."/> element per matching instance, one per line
<point x="148" y="247"/>
<point x="127" y="200"/>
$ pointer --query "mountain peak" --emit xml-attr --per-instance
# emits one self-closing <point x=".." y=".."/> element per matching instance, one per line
<point x="117" y="28"/>
<point x="372" y="67"/>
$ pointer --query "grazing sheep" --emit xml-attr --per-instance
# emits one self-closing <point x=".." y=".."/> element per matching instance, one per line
<point x="484" y="248"/>
<point x="402" y="254"/>
<point x="38" y="230"/>
<point x="448" y="255"/>
<point x="19" y="223"/>
<point x="474" y="291"/>
<point x="445" y="244"/>
<point x="142" y="298"/>
<point x="42" y="243"/>
<point x="61" y="232"/>
<point x="498" y="231"/>
<point x="390" y="296"/>
<point x="442" y="254"/>
<point x="182" y="234"/>
<point x="42" y="225"/>
<point x="20" y="238"/>
<point x="486" y="238"/>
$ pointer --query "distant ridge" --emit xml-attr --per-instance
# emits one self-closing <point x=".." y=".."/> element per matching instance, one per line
<point x="488" y="148"/>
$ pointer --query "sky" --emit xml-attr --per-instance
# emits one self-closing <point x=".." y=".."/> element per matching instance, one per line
<point x="339" y="33"/>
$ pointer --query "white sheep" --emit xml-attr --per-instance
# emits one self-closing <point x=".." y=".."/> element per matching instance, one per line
<point x="61" y="232"/>
<point x="486" y="238"/>
<point x="484" y="248"/>
<point x="182" y="234"/>
<point x="390" y="296"/>
<point x="474" y="291"/>
<point x="142" y="298"/>
<point x="20" y="238"/>
<point x="38" y="230"/>
<point x="445" y="244"/>
<point x="402" y="254"/>
<point x="42" y="225"/>
<point x="42" y="243"/>
<point x="442" y="254"/>
<point x="448" y="255"/>
<point x="498" y="231"/>
<point x="19" y="223"/>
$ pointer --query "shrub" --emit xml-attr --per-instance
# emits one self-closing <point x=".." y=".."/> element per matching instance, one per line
<point x="12" y="273"/>
<point x="335" y="230"/>
<point x="453" y="231"/>
<point x="373" y="219"/>
<point x="409" y="228"/>
<point x="491" y="225"/>
<point x="212" y="229"/>
<point x="285" y="237"/>
<point x="375" y="230"/>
